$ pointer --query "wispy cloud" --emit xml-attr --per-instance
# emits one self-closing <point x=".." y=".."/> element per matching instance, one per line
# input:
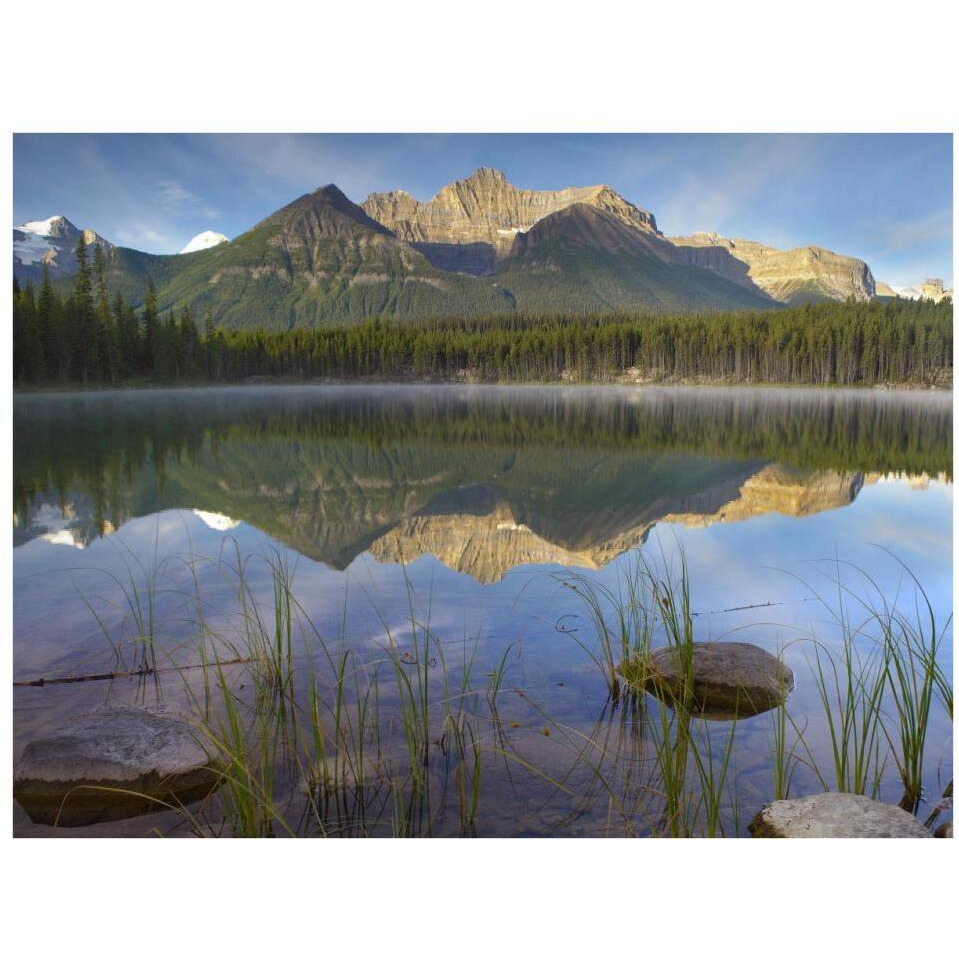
<point x="720" y="184"/>
<point x="141" y="235"/>
<point x="897" y="237"/>
<point x="178" y="201"/>
<point x="304" y="163"/>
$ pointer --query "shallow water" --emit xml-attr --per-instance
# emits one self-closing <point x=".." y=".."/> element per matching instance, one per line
<point x="468" y="512"/>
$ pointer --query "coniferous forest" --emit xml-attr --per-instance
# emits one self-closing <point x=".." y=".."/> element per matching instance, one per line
<point x="89" y="335"/>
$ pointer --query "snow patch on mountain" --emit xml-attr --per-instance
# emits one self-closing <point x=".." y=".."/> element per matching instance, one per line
<point x="28" y="248"/>
<point x="204" y="240"/>
<point x="40" y="227"/>
<point x="34" y="240"/>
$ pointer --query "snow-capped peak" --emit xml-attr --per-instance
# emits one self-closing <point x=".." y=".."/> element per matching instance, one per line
<point x="204" y="240"/>
<point x="42" y="227"/>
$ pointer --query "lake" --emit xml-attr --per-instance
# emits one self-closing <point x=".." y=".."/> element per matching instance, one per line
<point x="430" y="563"/>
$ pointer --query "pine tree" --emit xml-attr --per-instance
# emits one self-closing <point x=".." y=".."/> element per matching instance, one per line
<point x="108" y="346"/>
<point x="50" y="322"/>
<point x="82" y="318"/>
<point x="150" y="329"/>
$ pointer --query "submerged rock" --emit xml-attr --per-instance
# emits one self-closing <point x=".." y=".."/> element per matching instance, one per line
<point x="118" y="762"/>
<point x="728" y="679"/>
<point x="330" y="775"/>
<point x="836" y="816"/>
<point x="943" y="831"/>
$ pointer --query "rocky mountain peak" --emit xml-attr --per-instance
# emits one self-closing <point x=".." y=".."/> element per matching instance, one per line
<point x="485" y="174"/>
<point x="53" y="226"/>
<point x="331" y="193"/>
<point x="485" y="208"/>
<point x="49" y="243"/>
<point x="327" y="211"/>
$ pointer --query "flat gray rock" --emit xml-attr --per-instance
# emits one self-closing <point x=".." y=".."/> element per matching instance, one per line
<point x="728" y="679"/>
<point x="836" y="816"/>
<point x="68" y="778"/>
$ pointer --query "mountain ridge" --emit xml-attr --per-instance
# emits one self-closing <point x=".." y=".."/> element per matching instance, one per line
<point x="802" y="274"/>
<point x="480" y="245"/>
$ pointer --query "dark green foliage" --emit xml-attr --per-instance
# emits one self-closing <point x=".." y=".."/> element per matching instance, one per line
<point x="580" y="279"/>
<point x="824" y="344"/>
<point x="82" y="321"/>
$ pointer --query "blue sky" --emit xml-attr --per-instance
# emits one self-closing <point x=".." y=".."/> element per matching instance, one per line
<point x="884" y="197"/>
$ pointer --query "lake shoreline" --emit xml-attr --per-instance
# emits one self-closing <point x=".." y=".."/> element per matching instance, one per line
<point x="268" y="381"/>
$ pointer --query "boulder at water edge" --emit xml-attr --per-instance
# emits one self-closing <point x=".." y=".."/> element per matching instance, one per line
<point x="728" y="679"/>
<point x="119" y="761"/>
<point x="836" y="816"/>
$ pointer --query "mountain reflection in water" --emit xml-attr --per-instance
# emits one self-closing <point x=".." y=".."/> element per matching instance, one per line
<point x="484" y="479"/>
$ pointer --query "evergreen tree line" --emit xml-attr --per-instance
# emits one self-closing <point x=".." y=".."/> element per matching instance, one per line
<point x="90" y="337"/>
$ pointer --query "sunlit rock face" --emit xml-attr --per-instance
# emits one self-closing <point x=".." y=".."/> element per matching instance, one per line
<point x="930" y="289"/>
<point x="805" y="274"/>
<point x="777" y="489"/>
<point x="486" y="208"/>
<point x="934" y="290"/>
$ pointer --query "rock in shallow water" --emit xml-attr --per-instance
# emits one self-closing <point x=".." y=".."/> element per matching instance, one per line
<point x="69" y="778"/>
<point x="728" y="679"/>
<point x="836" y="816"/>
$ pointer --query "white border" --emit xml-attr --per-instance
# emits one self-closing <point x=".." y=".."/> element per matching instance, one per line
<point x="495" y="66"/>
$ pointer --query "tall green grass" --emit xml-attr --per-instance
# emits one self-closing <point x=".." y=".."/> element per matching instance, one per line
<point x="315" y="736"/>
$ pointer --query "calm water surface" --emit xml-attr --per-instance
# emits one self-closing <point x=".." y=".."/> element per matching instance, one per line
<point x="468" y="509"/>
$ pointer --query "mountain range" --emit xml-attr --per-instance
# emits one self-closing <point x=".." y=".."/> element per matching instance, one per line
<point x="480" y="246"/>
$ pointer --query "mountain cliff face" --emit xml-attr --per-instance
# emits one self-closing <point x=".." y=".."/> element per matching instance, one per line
<point x="487" y="209"/>
<point x="805" y="274"/>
